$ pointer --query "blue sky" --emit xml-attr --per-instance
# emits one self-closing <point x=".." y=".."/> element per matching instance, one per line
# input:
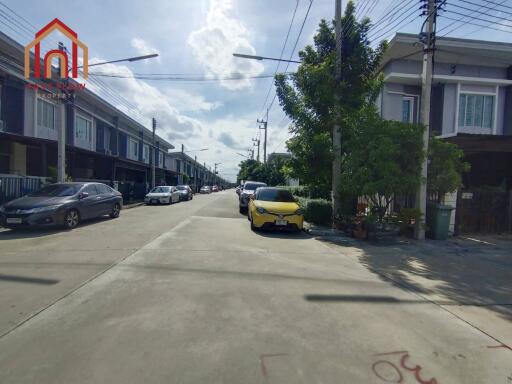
<point x="198" y="37"/>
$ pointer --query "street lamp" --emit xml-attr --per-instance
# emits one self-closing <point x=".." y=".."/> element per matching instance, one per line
<point x="255" y="57"/>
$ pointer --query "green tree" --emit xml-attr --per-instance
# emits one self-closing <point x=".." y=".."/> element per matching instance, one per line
<point x="308" y="96"/>
<point x="446" y="165"/>
<point x="384" y="159"/>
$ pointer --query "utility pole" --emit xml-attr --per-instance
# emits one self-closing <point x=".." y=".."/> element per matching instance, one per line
<point x="264" y="122"/>
<point x="336" y="130"/>
<point x="195" y="173"/>
<point x="61" y="143"/>
<point x="257" y="143"/>
<point x="215" y="173"/>
<point x="182" y="168"/>
<point x="153" y="160"/>
<point x="426" y="86"/>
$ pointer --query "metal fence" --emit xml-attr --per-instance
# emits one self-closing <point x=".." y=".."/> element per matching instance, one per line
<point x="12" y="186"/>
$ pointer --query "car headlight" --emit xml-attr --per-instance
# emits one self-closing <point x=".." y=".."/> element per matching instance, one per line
<point x="42" y="209"/>
<point x="299" y="212"/>
<point x="261" y="210"/>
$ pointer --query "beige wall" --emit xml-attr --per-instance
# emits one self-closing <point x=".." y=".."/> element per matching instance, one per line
<point x="18" y="163"/>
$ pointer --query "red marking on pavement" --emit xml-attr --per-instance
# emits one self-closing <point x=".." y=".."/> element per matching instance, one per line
<point x="400" y="378"/>
<point x="263" y="368"/>
<point x="500" y="346"/>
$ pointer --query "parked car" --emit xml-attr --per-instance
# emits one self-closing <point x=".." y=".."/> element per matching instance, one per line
<point x="215" y="189"/>
<point x="274" y="208"/>
<point x="164" y="194"/>
<point x="205" y="189"/>
<point x="65" y="204"/>
<point x="186" y="192"/>
<point x="248" y="189"/>
<point x="238" y="189"/>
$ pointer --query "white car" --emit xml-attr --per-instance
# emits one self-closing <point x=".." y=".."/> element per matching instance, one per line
<point x="164" y="194"/>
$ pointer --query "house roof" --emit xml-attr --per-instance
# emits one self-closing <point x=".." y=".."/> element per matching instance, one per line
<point x="450" y="50"/>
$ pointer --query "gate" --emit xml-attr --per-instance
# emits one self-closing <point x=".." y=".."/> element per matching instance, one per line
<point x="484" y="211"/>
<point x="12" y="186"/>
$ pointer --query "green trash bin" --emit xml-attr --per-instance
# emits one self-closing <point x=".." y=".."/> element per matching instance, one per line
<point x="438" y="220"/>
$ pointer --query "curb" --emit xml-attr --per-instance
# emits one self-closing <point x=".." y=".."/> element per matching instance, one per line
<point x="133" y="205"/>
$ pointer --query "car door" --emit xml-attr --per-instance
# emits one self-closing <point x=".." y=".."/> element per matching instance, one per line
<point x="89" y="206"/>
<point x="105" y="200"/>
<point x="175" y="194"/>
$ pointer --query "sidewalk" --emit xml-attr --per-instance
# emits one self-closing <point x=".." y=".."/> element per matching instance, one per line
<point x="469" y="276"/>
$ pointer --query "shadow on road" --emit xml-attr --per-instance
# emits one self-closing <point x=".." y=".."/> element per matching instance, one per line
<point x="29" y="280"/>
<point x="27" y="233"/>
<point x="460" y="271"/>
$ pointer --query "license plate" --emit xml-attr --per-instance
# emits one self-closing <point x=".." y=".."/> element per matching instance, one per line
<point x="13" y="220"/>
<point x="281" y="222"/>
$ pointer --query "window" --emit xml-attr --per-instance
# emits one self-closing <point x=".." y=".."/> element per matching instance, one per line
<point x="106" y="138"/>
<point x="83" y="129"/>
<point x="90" y="189"/>
<point x="160" y="159"/>
<point x="476" y="110"/>
<point x="133" y="148"/>
<point x="145" y="153"/>
<point x="103" y="188"/>
<point x="407" y="109"/>
<point x="45" y="114"/>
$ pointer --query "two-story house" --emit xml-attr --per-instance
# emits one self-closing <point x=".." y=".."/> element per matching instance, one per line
<point x="102" y="142"/>
<point x="472" y="107"/>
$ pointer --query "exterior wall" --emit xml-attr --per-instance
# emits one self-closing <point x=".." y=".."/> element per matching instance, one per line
<point x="391" y="102"/>
<point x="449" y="109"/>
<point x="18" y="163"/>
<point x="29" y="126"/>
<point x="507" y="124"/>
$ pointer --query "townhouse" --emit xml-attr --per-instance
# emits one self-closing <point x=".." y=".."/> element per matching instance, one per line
<point x="471" y="107"/>
<point x="102" y="142"/>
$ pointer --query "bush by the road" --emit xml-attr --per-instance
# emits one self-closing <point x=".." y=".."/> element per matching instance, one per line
<point x="308" y="191"/>
<point x="317" y="211"/>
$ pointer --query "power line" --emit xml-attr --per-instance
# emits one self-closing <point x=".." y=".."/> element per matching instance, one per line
<point x="487" y="7"/>
<point x="294" y="47"/>
<point x="181" y="78"/>
<point x="483" y="13"/>
<point x="479" y="18"/>
<point x="478" y="25"/>
<point x="397" y="24"/>
<point x="499" y="4"/>
<point x="281" y="55"/>
<point x="480" y="28"/>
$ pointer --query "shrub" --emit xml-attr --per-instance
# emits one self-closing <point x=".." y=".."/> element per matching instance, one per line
<point x="317" y="211"/>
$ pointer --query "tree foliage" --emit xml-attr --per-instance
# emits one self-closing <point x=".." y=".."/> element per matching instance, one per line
<point x="446" y="165"/>
<point x="272" y="173"/>
<point x="384" y="159"/>
<point x="308" y="96"/>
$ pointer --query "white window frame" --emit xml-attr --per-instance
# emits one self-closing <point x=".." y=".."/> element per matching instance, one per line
<point x="136" y="142"/>
<point x="494" y="96"/>
<point x="52" y="105"/>
<point x="89" y="127"/>
<point x="411" y="108"/>
<point x="145" y="153"/>
<point x="160" y="159"/>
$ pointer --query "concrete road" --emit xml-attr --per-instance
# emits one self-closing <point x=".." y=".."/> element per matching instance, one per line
<point x="189" y="294"/>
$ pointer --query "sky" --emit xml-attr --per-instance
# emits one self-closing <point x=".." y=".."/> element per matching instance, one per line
<point x="198" y="37"/>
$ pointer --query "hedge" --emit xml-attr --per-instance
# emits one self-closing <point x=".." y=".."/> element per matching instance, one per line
<point x="308" y="191"/>
<point x="317" y="211"/>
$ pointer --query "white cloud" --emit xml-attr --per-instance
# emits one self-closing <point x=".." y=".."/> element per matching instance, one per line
<point x="188" y="102"/>
<point x="215" y="43"/>
<point x="144" y="102"/>
<point x="143" y="47"/>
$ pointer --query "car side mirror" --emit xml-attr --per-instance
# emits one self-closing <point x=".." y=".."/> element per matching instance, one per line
<point x="83" y="195"/>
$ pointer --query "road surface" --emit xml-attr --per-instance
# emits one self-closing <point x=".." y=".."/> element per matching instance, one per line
<point x="189" y="294"/>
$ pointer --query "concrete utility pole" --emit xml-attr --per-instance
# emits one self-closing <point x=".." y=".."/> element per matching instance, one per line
<point x="153" y="157"/>
<point x="61" y="143"/>
<point x="264" y="122"/>
<point x="336" y="130"/>
<point x="257" y="143"/>
<point x="426" y="86"/>
<point x="182" y="168"/>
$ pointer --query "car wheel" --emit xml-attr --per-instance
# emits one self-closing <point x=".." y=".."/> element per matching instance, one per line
<point x="71" y="219"/>
<point x="116" y="210"/>
<point x="253" y="227"/>
<point x="242" y="209"/>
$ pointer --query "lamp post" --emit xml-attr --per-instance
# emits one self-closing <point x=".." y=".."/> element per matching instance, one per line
<point x="195" y="161"/>
<point x="61" y="142"/>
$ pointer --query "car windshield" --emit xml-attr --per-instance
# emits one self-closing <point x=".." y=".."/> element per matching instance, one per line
<point x="277" y="195"/>
<point x="253" y="186"/>
<point x="160" y="190"/>
<point x="57" y="190"/>
<point x="181" y="188"/>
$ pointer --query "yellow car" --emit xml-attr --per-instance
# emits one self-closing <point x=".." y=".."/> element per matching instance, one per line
<point x="274" y="208"/>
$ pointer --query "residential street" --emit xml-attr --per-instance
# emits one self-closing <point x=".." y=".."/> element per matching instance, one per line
<point x="187" y="293"/>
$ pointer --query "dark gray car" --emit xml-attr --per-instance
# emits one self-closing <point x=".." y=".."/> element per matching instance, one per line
<point x="186" y="192"/>
<point x="63" y="204"/>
